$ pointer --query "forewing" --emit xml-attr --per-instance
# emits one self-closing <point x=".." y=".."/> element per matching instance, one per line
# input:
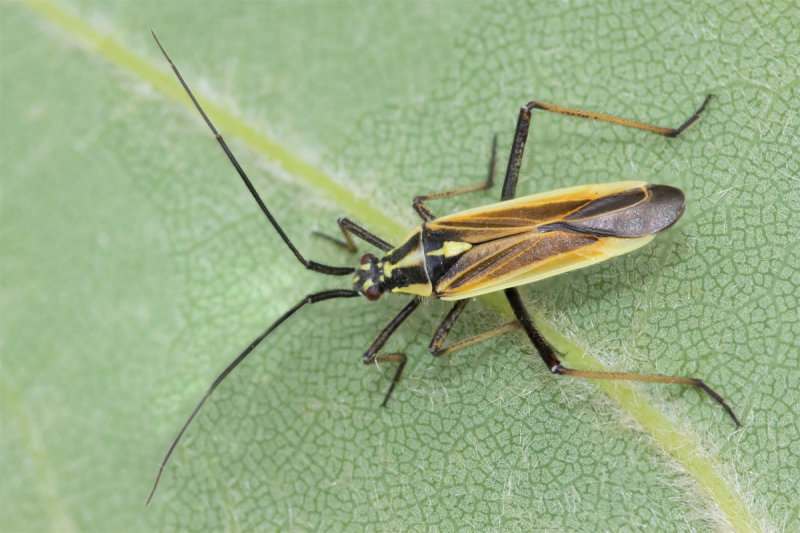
<point x="522" y="215"/>
<point x="526" y="258"/>
<point x="535" y="237"/>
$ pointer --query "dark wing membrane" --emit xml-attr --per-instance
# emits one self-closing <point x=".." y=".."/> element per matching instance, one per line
<point x="535" y="237"/>
<point x="642" y="211"/>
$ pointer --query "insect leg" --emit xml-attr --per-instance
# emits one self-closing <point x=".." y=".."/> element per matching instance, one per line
<point x="548" y="355"/>
<point x="667" y="132"/>
<point x="444" y="328"/>
<point x="524" y="121"/>
<point x="371" y="356"/>
<point x="426" y="214"/>
<point x="517" y="149"/>
<point x="349" y="228"/>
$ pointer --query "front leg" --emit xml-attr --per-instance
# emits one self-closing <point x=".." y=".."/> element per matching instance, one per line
<point x="348" y="228"/>
<point x="371" y="356"/>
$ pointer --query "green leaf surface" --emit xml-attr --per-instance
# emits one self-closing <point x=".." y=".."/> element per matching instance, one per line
<point x="135" y="267"/>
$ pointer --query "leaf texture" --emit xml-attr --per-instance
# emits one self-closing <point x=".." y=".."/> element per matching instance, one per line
<point x="135" y="267"/>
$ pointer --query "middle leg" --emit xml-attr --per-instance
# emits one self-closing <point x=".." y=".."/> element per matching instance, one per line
<point x="419" y="201"/>
<point x="449" y="321"/>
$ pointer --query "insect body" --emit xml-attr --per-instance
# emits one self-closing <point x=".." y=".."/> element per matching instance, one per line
<point x="523" y="240"/>
<point x="488" y="249"/>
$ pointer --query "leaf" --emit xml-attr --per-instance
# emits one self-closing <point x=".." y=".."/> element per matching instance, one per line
<point x="135" y="266"/>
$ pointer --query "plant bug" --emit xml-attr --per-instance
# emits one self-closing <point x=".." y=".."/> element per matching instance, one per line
<point x="487" y="249"/>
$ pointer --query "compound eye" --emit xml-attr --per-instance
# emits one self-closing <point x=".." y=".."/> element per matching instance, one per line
<point x="367" y="258"/>
<point x="372" y="293"/>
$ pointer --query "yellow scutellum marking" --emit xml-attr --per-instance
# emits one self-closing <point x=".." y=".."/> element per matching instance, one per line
<point x="451" y="248"/>
<point x="679" y="441"/>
